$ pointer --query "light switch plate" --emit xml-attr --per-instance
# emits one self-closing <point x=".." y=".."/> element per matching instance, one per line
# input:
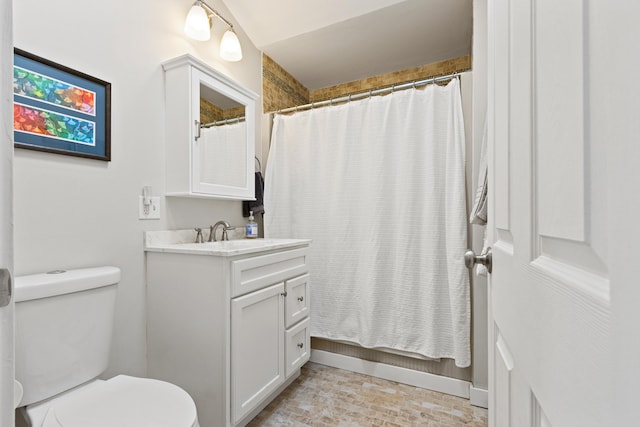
<point x="152" y="211"/>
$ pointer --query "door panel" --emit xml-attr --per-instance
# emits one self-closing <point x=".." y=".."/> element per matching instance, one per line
<point x="503" y="365"/>
<point x="549" y="290"/>
<point x="561" y="143"/>
<point x="559" y="118"/>
<point x="500" y="95"/>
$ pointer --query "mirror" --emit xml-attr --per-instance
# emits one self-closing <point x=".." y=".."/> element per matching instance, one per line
<point x="223" y="133"/>
<point x="215" y="107"/>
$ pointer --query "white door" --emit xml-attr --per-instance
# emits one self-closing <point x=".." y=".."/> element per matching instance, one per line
<point x="6" y="214"/>
<point x="558" y="210"/>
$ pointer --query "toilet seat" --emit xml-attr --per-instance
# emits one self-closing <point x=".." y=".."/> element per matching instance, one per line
<point x="125" y="401"/>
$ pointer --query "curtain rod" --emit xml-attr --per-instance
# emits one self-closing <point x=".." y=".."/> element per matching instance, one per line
<point x="222" y="122"/>
<point x="368" y="94"/>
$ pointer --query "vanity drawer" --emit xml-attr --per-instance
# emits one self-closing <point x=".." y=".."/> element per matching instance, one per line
<point x="254" y="273"/>
<point x="296" y="306"/>
<point x="297" y="347"/>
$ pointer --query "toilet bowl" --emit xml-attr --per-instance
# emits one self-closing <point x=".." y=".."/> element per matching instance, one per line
<point x="121" y="401"/>
<point x="63" y="331"/>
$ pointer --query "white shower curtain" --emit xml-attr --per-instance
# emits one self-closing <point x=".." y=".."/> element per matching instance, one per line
<point x="379" y="186"/>
<point x="221" y="148"/>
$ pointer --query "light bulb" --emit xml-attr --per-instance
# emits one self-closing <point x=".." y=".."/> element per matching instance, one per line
<point x="197" y="25"/>
<point x="230" y="49"/>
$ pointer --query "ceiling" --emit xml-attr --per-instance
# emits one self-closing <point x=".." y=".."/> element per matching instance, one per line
<point x="327" y="42"/>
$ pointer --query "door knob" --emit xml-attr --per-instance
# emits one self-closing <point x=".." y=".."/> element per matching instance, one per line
<point x="470" y="259"/>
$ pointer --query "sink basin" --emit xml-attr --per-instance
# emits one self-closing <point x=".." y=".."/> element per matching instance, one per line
<point x="228" y="247"/>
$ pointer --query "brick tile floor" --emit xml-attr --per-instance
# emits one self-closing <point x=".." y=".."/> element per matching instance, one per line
<point x="328" y="397"/>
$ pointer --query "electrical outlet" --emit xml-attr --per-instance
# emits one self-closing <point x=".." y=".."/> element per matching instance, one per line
<point x="151" y="211"/>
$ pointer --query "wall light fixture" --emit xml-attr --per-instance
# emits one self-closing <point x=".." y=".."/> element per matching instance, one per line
<point x="198" y="27"/>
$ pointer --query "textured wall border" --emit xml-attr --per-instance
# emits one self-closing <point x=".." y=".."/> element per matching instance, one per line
<point x="281" y="90"/>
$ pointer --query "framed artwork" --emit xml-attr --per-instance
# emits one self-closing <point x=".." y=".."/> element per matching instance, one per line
<point x="60" y="110"/>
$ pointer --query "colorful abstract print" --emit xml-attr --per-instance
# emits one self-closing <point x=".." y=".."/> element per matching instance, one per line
<point x="48" y="123"/>
<point x="46" y="89"/>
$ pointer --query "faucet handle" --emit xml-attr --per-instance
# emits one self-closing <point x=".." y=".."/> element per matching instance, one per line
<point x="199" y="238"/>
<point x="225" y="230"/>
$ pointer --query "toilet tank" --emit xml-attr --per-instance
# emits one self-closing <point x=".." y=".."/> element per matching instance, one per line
<point x="63" y="328"/>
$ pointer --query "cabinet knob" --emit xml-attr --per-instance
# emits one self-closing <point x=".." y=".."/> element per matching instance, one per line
<point x="300" y="345"/>
<point x="300" y="299"/>
<point x="284" y="294"/>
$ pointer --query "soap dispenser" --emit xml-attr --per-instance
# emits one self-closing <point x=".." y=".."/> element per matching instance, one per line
<point x="251" y="230"/>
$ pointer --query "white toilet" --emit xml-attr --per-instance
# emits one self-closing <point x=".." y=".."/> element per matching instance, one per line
<point x="63" y="324"/>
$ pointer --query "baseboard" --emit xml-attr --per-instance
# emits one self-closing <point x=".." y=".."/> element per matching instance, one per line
<point x="411" y="377"/>
<point x="479" y="397"/>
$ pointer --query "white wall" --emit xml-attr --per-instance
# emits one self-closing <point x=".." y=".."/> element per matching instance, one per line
<point x="72" y="212"/>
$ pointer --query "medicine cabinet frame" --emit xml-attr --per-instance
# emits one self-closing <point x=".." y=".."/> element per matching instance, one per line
<point x="186" y="77"/>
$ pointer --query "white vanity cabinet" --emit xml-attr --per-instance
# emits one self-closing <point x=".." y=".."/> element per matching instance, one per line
<point x="213" y="162"/>
<point x="232" y="330"/>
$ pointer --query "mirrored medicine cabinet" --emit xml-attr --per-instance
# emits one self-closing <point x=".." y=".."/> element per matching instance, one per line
<point x="210" y="131"/>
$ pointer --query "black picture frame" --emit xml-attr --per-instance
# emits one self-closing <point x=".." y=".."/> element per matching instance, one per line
<point x="60" y="110"/>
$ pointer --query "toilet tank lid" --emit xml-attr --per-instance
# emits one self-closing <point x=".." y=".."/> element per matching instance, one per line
<point x="61" y="282"/>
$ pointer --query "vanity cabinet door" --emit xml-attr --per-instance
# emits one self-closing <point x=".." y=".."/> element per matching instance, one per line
<point x="257" y="359"/>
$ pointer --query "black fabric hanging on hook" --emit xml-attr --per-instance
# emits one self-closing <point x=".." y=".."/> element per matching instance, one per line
<point x="257" y="205"/>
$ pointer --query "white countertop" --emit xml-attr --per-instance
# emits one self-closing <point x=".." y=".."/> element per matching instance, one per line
<point x="181" y="241"/>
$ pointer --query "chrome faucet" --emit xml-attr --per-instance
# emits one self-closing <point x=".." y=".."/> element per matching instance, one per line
<point x="225" y="226"/>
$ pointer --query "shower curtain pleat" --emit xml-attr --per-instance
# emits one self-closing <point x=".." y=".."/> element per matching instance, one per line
<point x="379" y="186"/>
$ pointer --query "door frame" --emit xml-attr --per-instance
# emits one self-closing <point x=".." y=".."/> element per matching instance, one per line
<point x="6" y="212"/>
